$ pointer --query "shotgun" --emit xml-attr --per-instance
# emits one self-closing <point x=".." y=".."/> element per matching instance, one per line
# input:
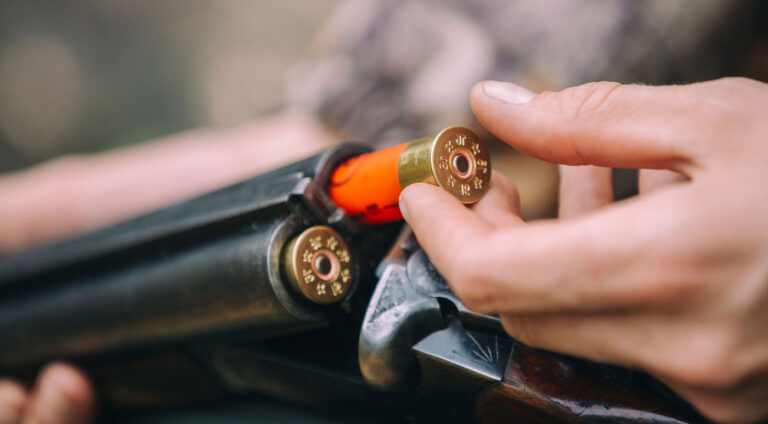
<point x="276" y="293"/>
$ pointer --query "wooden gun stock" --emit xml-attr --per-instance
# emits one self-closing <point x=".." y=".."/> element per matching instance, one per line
<point x="539" y="387"/>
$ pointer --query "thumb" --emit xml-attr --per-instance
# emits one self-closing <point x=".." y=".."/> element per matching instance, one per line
<point x="604" y="123"/>
<point x="442" y="224"/>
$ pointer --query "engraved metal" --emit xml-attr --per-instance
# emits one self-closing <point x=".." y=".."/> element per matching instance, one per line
<point x="455" y="160"/>
<point x="318" y="265"/>
<point x="405" y="327"/>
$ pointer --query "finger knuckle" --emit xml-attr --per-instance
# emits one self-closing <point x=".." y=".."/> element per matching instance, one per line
<point x="720" y="411"/>
<point x="508" y="188"/>
<point x="724" y="104"/>
<point x="734" y="82"/>
<point x="45" y="419"/>
<point x="589" y="100"/>
<point x="671" y="278"/>
<point x="707" y="362"/>
<point x="715" y="412"/>
<point x="669" y="291"/>
<point x="505" y="183"/>
<point x="518" y="327"/>
<point x="467" y="284"/>
<point x="472" y="294"/>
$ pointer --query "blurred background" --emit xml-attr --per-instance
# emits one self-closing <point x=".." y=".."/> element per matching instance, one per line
<point x="87" y="76"/>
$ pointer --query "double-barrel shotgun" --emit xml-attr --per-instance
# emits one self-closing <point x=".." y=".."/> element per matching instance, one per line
<point x="299" y="287"/>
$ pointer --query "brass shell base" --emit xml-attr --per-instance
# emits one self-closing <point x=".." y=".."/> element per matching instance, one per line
<point x="455" y="159"/>
<point x="319" y="265"/>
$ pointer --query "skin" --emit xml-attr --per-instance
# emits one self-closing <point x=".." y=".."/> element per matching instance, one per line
<point x="673" y="281"/>
<point x="78" y="193"/>
<point x="62" y="394"/>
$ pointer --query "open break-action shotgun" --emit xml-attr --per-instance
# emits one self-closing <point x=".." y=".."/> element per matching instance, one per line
<point x="282" y="285"/>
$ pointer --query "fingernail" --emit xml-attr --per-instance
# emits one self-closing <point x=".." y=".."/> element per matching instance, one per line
<point x="403" y="208"/>
<point x="507" y="92"/>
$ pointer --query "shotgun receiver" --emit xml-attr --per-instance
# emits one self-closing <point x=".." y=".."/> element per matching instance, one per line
<point x="267" y="293"/>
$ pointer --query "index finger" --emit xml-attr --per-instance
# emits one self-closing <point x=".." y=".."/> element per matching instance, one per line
<point x="605" y="124"/>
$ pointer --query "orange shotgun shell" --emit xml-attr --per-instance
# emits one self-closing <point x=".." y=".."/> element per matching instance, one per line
<point x="368" y="186"/>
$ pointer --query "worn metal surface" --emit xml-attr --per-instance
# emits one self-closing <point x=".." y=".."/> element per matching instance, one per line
<point x="202" y="268"/>
<point x="413" y="316"/>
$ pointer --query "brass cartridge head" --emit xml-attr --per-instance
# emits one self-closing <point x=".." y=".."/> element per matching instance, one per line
<point x="455" y="159"/>
<point x="319" y="265"/>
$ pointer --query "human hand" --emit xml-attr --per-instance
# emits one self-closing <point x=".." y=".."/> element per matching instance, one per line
<point x="62" y="395"/>
<point x="674" y="281"/>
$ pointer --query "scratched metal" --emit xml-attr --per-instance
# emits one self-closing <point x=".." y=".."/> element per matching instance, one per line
<point x="483" y="354"/>
<point x="427" y="280"/>
<point x="405" y="319"/>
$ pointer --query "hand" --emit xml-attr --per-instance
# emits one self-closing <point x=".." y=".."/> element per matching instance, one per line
<point x="674" y="281"/>
<point x="61" y="395"/>
<point x="76" y="194"/>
